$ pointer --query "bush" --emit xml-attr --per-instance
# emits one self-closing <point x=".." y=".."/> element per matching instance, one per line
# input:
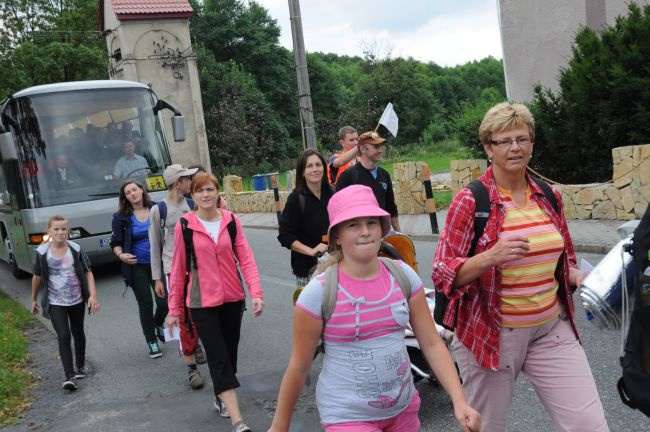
<point x="468" y="121"/>
<point x="602" y="104"/>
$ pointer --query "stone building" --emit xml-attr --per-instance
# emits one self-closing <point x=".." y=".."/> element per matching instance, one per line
<point x="536" y="37"/>
<point x="149" y="42"/>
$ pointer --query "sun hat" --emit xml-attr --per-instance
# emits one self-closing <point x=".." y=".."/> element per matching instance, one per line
<point x="370" y="138"/>
<point x="353" y="202"/>
<point x="175" y="171"/>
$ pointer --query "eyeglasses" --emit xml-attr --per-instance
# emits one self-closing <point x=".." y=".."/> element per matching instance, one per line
<point x="507" y="142"/>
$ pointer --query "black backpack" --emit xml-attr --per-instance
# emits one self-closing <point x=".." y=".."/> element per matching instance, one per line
<point x="190" y="258"/>
<point x="481" y="214"/>
<point x="634" y="386"/>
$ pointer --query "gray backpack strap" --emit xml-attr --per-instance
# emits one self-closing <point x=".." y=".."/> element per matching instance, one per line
<point x="330" y="288"/>
<point x="402" y="280"/>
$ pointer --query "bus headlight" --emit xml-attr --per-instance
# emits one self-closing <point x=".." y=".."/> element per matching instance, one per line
<point x="74" y="233"/>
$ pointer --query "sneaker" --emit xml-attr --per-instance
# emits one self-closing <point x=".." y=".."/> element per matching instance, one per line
<point x="81" y="373"/>
<point x="194" y="379"/>
<point x="221" y="408"/>
<point x="154" y="351"/>
<point x="199" y="355"/>
<point x="240" y="426"/>
<point x="160" y="334"/>
<point x="70" y="384"/>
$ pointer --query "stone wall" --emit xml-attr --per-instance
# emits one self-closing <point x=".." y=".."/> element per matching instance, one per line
<point x="464" y="171"/>
<point x="626" y="198"/>
<point x="408" y="188"/>
<point x="249" y="202"/>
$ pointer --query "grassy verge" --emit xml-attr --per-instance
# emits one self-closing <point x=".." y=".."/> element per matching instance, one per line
<point x="15" y="381"/>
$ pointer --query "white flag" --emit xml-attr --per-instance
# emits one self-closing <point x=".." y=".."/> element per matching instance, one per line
<point x="389" y="120"/>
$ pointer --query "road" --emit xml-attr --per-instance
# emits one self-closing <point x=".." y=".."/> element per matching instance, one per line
<point x="127" y="391"/>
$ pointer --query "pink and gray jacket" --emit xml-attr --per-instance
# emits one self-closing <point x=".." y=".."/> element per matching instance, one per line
<point x="215" y="280"/>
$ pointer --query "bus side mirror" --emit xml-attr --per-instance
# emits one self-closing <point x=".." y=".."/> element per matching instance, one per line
<point x="178" y="126"/>
<point x="7" y="147"/>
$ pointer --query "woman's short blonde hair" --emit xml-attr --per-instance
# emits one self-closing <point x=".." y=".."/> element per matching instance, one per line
<point x="505" y="116"/>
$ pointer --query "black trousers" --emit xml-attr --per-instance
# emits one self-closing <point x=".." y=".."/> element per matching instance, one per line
<point x="219" y="329"/>
<point x="69" y="321"/>
<point x="143" y="289"/>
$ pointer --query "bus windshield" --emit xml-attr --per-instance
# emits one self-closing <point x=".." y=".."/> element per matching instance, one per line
<point x="80" y="145"/>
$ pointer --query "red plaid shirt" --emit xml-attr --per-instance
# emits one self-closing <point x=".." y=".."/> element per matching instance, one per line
<point x="479" y="309"/>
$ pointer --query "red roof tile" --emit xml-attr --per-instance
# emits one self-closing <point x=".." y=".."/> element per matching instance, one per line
<point x="133" y="9"/>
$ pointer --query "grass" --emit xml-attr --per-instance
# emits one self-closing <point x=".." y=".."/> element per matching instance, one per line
<point x="15" y="380"/>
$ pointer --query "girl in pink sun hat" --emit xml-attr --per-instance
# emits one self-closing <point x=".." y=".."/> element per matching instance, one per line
<point x="365" y="384"/>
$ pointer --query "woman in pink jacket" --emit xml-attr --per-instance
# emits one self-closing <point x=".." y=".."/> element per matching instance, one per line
<point x="211" y="290"/>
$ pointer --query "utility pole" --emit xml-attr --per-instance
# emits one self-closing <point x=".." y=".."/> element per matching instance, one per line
<point x="304" y="93"/>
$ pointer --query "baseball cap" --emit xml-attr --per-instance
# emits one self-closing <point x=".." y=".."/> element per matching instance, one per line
<point x="370" y="138"/>
<point x="353" y="202"/>
<point x="175" y="171"/>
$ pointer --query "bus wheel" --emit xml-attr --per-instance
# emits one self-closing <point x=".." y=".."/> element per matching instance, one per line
<point x="15" y="270"/>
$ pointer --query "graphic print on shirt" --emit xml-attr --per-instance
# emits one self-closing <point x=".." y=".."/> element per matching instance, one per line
<point x="63" y="287"/>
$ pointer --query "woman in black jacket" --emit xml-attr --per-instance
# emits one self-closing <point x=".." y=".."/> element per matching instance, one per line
<point x="304" y="220"/>
<point x="130" y="242"/>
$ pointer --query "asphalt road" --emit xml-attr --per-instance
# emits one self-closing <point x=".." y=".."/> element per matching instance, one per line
<point x="127" y="391"/>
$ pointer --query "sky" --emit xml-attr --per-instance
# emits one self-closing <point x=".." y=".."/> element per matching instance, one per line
<point x="447" y="32"/>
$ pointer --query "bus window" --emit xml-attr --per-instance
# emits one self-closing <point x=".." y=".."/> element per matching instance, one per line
<point x="71" y="143"/>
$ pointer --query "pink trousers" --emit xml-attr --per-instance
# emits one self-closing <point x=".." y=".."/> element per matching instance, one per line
<point x="553" y="360"/>
<point x="406" y="421"/>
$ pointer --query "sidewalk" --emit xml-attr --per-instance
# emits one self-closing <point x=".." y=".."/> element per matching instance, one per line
<point x="589" y="236"/>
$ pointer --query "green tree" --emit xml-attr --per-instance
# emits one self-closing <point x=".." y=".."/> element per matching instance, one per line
<point x="602" y="102"/>
<point x="47" y="41"/>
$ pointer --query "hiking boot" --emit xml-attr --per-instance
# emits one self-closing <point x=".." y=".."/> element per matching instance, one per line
<point x="160" y="334"/>
<point x="70" y="384"/>
<point x="199" y="355"/>
<point x="154" y="351"/>
<point x="81" y="373"/>
<point x="240" y="426"/>
<point x="221" y="408"/>
<point x="195" y="380"/>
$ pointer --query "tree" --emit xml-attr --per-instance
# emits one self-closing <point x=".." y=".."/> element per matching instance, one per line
<point x="47" y="41"/>
<point x="602" y="102"/>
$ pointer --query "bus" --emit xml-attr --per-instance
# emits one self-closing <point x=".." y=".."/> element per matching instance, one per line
<point x="65" y="149"/>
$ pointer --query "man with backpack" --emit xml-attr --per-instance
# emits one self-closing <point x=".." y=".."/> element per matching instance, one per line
<point x="162" y="220"/>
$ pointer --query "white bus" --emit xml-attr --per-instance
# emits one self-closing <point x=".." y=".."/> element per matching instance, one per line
<point x="59" y="150"/>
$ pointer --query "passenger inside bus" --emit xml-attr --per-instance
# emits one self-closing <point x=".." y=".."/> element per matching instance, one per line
<point x="131" y="164"/>
<point x="63" y="173"/>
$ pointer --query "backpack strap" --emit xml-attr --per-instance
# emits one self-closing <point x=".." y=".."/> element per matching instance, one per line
<point x="189" y="257"/>
<point x="395" y="269"/>
<point x="232" y="231"/>
<point x="301" y="202"/>
<point x="548" y="192"/>
<point x="481" y="212"/>
<point x="162" y="211"/>
<point x="331" y="285"/>
<point x="191" y="204"/>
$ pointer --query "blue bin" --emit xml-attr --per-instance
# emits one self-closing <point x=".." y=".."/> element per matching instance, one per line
<point x="259" y="182"/>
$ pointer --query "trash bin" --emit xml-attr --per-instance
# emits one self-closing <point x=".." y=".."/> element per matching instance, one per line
<point x="259" y="182"/>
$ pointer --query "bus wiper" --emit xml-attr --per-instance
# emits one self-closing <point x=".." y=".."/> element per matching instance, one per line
<point x="106" y="194"/>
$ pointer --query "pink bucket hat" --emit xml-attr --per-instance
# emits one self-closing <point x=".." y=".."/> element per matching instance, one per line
<point x="353" y="202"/>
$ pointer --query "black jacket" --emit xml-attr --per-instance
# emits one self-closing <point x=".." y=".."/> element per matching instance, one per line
<point x="122" y="235"/>
<point x="40" y="268"/>
<point x="382" y="186"/>
<point x="307" y="226"/>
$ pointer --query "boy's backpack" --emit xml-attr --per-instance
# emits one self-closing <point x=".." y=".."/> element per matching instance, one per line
<point x="634" y="385"/>
<point x="190" y="257"/>
<point x="331" y="286"/>
<point x="481" y="214"/>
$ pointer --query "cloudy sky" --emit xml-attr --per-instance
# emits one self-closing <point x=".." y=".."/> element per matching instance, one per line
<point x="447" y="32"/>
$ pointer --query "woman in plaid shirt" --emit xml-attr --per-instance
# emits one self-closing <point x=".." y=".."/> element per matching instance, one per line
<point x="514" y="293"/>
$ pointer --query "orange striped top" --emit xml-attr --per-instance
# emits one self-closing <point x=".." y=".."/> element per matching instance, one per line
<point x="528" y="285"/>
